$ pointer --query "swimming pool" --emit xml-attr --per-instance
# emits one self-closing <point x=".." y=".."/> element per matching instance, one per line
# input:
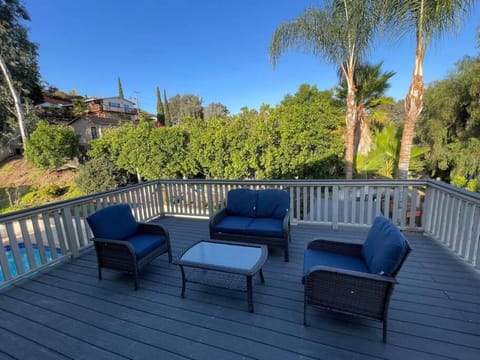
<point x="23" y="255"/>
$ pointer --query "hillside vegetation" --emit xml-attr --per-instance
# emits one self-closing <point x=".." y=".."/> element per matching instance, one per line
<point x="24" y="186"/>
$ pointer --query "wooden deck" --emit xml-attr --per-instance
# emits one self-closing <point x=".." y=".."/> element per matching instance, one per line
<point x="67" y="313"/>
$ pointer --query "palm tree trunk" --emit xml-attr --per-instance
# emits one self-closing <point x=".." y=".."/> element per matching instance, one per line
<point x="16" y="101"/>
<point x="363" y="132"/>
<point x="413" y="108"/>
<point x="350" y="119"/>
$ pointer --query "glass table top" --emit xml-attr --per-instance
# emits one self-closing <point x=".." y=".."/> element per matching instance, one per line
<point x="223" y="255"/>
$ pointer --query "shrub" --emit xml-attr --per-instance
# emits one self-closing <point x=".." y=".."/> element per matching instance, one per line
<point x="51" y="146"/>
<point x="99" y="174"/>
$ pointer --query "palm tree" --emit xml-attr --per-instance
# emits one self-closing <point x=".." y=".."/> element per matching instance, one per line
<point x="371" y="84"/>
<point x="341" y="32"/>
<point x="382" y="159"/>
<point x="429" y="19"/>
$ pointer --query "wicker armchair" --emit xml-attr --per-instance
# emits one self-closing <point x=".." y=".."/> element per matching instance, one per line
<point x="355" y="279"/>
<point x="123" y="244"/>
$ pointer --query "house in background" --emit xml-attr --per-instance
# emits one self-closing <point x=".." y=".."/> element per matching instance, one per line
<point x="55" y="109"/>
<point x="91" y="127"/>
<point x="112" y="108"/>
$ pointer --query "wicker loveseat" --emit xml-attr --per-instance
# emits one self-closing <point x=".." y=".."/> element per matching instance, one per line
<point x="254" y="216"/>
<point x="355" y="279"/>
<point x="123" y="244"/>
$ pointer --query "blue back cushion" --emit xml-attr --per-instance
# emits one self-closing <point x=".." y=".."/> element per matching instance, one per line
<point x="241" y="202"/>
<point x="115" y="222"/>
<point x="384" y="248"/>
<point x="273" y="203"/>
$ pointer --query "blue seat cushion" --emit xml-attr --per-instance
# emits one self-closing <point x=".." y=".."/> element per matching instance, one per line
<point x="313" y="258"/>
<point x="144" y="244"/>
<point x="242" y="202"/>
<point x="273" y="203"/>
<point x="265" y="227"/>
<point x="384" y="248"/>
<point x="115" y="222"/>
<point x="234" y="224"/>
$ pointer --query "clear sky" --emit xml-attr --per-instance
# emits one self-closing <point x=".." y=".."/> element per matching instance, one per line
<point x="216" y="49"/>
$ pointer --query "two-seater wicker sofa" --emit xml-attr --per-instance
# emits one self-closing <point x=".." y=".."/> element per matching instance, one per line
<point x="254" y="216"/>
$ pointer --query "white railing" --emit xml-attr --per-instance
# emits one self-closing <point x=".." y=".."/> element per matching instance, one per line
<point x="452" y="216"/>
<point x="334" y="202"/>
<point x="35" y="238"/>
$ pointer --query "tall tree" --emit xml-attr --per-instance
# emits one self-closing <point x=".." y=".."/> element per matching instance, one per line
<point x="215" y="110"/>
<point x="371" y="85"/>
<point x="341" y="32"/>
<point x="168" y="118"/>
<point x="160" y="110"/>
<point x="428" y="19"/>
<point x="120" y="89"/>
<point x="187" y="105"/>
<point x="18" y="63"/>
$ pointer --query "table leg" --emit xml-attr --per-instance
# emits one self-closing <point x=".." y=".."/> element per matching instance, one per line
<point x="183" y="281"/>
<point x="249" y="293"/>
<point x="261" y="276"/>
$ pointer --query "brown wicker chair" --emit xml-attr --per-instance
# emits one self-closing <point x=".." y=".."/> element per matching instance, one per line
<point x="356" y="279"/>
<point x="123" y="244"/>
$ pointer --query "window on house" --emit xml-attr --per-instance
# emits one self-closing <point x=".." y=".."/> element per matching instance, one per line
<point x="94" y="132"/>
<point x="113" y="104"/>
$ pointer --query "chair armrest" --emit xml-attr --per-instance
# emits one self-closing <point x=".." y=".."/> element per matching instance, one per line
<point x="360" y="276"/>
<point x="121" y="243"/>
<point x="338" y="247"/>
<point x="153" y="229"/>
<point x="217" y="217"/>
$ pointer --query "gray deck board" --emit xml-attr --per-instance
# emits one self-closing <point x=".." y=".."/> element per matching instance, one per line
<point x="68" y="313"/>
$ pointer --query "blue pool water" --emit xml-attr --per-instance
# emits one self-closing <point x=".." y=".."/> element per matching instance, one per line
<point x="23" y="255"/>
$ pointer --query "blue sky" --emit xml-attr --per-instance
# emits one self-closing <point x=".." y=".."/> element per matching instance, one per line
<point x="216" y="49"/>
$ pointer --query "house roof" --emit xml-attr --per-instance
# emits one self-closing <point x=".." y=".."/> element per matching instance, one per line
<point x="115" y="98"/>
<point x="97" y="120"/>
<point x="50" y="101"/>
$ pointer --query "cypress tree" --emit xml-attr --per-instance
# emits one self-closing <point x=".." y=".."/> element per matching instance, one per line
<point x="168" y="119"/>
<point x="120" y="90"/>
<point x="160" y="111"/>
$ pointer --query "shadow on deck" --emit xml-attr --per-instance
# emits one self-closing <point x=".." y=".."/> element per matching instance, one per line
<point x="68" y="313"/>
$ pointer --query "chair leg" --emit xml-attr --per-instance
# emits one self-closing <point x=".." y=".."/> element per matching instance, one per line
<point x="304" y="313"/>
<point x="384" y="331"/>
<point x="136" y="279"/>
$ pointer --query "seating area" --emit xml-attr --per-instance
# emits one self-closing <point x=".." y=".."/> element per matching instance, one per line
<point x="254" y="216"/>
<point x="355" y="279"/>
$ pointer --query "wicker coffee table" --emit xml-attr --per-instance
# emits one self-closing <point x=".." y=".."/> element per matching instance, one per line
<point x="224" y="264"/>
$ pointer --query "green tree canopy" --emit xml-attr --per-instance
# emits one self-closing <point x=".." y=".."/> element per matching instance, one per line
<point x="182" y="106"/>
<point x="215" y="110"/>
<point x="450" y="125"/>
<point x="99" y="174"/>
<point x="51" y="146"/>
